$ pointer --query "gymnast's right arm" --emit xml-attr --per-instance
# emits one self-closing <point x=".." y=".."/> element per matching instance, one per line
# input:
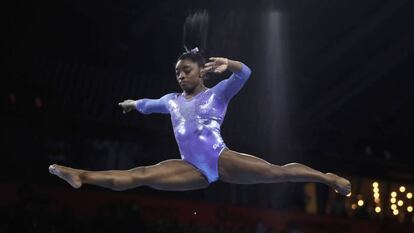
<point x="147" y="106"/>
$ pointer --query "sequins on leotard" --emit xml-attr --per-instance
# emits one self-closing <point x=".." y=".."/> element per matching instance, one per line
<point x="197" y="121"/>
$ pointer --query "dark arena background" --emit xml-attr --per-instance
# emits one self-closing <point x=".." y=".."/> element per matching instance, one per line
<point x="332" y="87"/>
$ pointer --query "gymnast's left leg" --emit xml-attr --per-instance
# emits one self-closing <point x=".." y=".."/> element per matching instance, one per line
<point x="240" y="168"/>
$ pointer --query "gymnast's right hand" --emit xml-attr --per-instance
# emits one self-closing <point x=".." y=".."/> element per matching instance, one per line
<point x="127" y="105"/>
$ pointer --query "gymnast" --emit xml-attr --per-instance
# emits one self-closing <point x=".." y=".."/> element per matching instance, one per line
<point x="196" y="115"/>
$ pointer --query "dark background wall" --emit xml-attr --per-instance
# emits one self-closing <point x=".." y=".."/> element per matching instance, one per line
<point x="331" y="87"/>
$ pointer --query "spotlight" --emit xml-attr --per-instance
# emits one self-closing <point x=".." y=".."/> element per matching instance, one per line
<point x="12" y="98"/>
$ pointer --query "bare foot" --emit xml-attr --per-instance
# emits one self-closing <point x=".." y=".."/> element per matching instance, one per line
<point x="70" y="175"/>
<point x="340" y="184"/>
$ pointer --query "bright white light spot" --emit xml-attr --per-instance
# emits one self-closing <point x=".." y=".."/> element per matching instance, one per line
<point x="395" y="212"/>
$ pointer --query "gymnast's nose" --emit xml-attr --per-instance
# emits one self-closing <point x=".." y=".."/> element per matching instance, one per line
<point x="181" y="77"/>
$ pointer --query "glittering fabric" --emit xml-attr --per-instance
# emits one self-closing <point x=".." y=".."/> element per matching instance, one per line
<point x="196" y="121"/>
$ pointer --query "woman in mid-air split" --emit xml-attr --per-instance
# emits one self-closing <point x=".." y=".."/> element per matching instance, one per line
<point x="196" y="115"/>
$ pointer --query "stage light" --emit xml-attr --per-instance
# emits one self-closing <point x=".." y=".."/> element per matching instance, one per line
<point x="12" y="98"/>
<point x="375" y="184"/>
<point x="395" y="212"/>
<point x="409" y="195"/>
<point x="393" y="200"/>
<point x="393" y="206"/>
<point x="400" y="203"/>
<point x="410" y="209"/>
<point x="353" y="206"/>
<point x="360" y="202"/>
<point x="38" y="102"/>
<point x="393" y="194"/>
<point x="402" y="189"/>
<point x="376" y="195"/>
<point x="377" y="209"/>
<point x="376" y="190"/>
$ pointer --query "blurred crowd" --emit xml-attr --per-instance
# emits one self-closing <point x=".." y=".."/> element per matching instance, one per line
<point x="32" y="214"/>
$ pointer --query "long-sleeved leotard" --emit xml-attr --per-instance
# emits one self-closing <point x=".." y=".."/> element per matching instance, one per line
<point x="196" y="121"/>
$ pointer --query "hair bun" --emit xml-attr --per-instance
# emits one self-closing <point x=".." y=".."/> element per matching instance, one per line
<point x="195" y="50"/>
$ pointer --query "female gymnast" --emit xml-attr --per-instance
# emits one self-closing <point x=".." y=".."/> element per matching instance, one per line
<point x="196" y="115"/>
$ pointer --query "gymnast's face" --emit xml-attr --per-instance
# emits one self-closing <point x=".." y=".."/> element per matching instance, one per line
<point x="188" y="74"/>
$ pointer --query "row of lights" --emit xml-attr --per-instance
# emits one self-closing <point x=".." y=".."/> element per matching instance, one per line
<point x="377" y="200"/>
<point x="394" y="202"/>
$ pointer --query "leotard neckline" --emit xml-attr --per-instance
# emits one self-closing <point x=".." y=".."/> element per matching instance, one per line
<point x="198" y="94"/>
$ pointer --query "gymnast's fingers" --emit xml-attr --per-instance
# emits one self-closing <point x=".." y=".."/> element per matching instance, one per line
<point x="209" y="64"/>
<point x="209" y="68"/>
<point x="218" y="70"/>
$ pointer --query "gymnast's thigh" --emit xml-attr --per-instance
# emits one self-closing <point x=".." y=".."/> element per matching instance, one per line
<point x="241" y="168"/>
<point x="174" y="174"/>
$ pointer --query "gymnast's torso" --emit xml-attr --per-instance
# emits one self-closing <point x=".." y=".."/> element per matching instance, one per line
<point x="196" y="121"/>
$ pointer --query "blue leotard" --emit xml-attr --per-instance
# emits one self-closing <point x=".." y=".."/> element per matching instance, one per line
<point x="196" y="121"/>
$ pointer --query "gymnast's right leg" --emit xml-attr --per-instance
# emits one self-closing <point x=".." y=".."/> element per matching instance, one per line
<point x="169" y="175"/>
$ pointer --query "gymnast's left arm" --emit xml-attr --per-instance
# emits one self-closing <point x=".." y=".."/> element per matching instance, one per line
<point x="147" y="106"/>
<point x="230" y="86"/>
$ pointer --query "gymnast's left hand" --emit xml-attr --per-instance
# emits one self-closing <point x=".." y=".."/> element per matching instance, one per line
<point x="216" y="65"/>
<point x="127" y="105"/>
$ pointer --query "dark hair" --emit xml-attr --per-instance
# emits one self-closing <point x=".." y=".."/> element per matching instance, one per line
<point x="195" y="31"/>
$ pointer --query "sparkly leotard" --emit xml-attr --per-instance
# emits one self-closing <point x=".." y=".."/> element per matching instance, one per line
<point x="196" y="121"/>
